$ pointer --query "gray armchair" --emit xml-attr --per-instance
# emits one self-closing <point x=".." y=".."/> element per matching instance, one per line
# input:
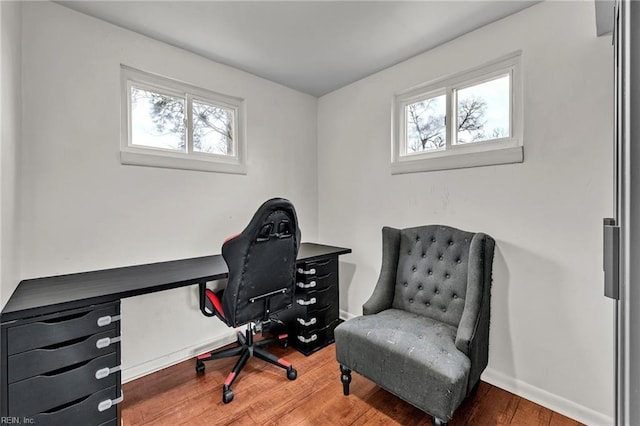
<point x="424" y="335"/>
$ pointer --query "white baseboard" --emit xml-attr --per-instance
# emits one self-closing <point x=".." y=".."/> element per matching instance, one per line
<point x="346" y="315"/>
<point x="164" y="361"/>
<point x="546" y="399"/>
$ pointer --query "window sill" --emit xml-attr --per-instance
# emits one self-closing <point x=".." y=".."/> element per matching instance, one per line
<point x="446" y="160"/>
<point x="183" y="163"/>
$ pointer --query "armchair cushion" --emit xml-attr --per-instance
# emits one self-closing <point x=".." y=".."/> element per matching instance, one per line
<point x="415" y="358"/>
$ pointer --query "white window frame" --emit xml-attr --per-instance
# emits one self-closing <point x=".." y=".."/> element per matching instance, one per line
<point x="453" y="156"/>
<point x="189" y="160"/>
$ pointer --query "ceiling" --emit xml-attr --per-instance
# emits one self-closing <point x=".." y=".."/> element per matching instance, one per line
<point x="311" y="46"/>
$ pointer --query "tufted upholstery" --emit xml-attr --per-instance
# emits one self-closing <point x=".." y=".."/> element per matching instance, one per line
<point x="432" y="272"/>
<point x="425" y="331"/>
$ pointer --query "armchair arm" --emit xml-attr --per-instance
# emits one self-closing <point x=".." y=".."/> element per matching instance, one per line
<point x="384" y="290"/>
<point x="473" y="331"/>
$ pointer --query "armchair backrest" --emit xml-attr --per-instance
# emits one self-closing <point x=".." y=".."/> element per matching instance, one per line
<point x="261" y="260"/>
<point x="432" y="272"/>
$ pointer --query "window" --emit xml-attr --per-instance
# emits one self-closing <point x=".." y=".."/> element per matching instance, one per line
<point x="466" y="120"/>
<point x="170" y="124"/>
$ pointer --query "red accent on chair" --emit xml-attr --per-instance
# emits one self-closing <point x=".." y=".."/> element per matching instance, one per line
<point x="229" y="378"/>
<point x="231" y="237"/>
<point x="215" y="301"/>
<point x="284" y="362"/>
<point x="282" y="336"/>
<point x="203" y="356"/>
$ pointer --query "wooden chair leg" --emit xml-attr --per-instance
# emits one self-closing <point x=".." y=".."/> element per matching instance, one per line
<point x="346" y="379"/>
<point x="439" y="422"/>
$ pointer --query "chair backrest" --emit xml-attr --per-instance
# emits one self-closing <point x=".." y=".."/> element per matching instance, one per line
<point x="433" y="263"/>
<point x="261" y="260"/>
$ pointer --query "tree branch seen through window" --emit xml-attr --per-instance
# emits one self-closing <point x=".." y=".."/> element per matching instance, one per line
<point x="159" y="121"/>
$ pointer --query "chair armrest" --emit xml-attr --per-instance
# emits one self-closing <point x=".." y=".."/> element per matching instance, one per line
<point x="472" y="337"/>
<point x="477" y="285"/>
<point x="384" y="290"/>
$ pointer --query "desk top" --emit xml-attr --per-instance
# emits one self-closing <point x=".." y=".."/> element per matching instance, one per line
<point x="42" y="296"/>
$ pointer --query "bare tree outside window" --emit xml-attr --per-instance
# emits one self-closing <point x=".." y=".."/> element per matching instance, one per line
<point x="426" y="126"/>
<point x="157" y="120"/>
<point x="171" y="124"/>
<point x="482" y="113"/>
<point x="468" y="119"/>
<point x="212" y="129"/>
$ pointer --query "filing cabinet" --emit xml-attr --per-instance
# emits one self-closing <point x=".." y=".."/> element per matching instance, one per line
<point x="316" y="305"/>
<point x="63" y="368"/>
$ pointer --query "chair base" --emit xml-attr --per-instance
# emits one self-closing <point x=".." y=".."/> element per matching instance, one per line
<point x="246" y="349"/>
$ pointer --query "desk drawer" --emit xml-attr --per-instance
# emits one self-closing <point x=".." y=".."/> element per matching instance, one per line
<point x="83" y="412"/>
<point x="315" y="282"/>
<point x="45" y="392"/>
<point x="316" y="299"/>
<point x="316" y="319"/>
<point x="318" y="267"/>
<point x="44" y="360"/>
<point x="60" y="329"/>
<point x="309" y="341"/>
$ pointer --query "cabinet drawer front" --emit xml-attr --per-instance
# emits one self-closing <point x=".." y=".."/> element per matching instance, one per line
<point x="309" y="341"/>
<point x="316" y="319"/>
<point x="61" y="329"/>
<point x="316" y="299"/>
<point x="317" y="268"/>
<point x="83" y="412"/>
<point x="42" y="393"/>
<point x="39" y="361"/>
<point x="316" y="282"/>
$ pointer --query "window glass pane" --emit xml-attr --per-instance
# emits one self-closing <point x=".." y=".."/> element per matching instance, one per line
<point x="212" y="129"/>
<point x="157" y="120"/>
<point x="426" y="128"/>
<point x="483" y="111"/>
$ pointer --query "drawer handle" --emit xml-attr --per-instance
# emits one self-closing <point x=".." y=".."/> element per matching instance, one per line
<point x="307" y="272"/>
<point x="108" y="403"/>
<point x="307" y="323"/>
<point x="307" y="302"/>
<point x="313" y="338"/>
<point x="105" y="372"/>
<point x="106" y="341"/>
<point x="106" y="320"/>
<point x="310" y="285"/>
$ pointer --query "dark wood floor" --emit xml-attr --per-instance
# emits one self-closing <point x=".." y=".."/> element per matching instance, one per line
<point x="263" y="396"/>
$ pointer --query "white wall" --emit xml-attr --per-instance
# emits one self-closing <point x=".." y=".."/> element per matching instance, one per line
<point x="83" y="210"/>
<point x="11" y="127"/>
<point x="551" y="329"/>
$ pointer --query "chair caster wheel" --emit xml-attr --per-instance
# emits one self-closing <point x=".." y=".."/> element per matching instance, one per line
<point x="439" y="422"/>
<point x="199" y="367"/>
<point x="291" y="373"/>
<point x="284" y="343"/>
<point x="227" y="396"/>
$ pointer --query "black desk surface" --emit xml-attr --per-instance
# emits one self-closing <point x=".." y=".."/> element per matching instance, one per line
<point x="42" y="296"/>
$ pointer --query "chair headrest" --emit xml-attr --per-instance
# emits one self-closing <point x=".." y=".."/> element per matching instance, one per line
<point x="275" y="218"/>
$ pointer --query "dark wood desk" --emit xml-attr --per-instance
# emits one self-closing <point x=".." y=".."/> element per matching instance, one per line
<point x="41" y="296"/>
<point x="54" y="329"/>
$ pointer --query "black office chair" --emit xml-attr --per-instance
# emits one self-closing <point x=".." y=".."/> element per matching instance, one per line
<point x="262" y="270"/>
